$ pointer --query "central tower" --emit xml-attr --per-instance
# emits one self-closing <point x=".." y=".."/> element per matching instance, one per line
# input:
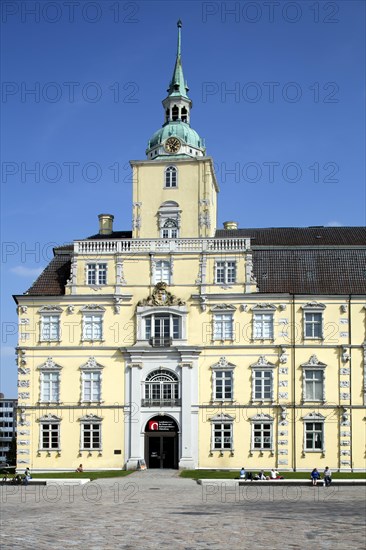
<point x="175" y="189"/>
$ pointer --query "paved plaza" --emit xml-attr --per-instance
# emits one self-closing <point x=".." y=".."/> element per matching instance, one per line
<point x="157" y="509"/>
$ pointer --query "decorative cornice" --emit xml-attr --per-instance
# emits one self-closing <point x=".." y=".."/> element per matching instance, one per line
<point x="223" y="364"/>
<point x="265" y="306"/>
<point x="90" y="418"/>
<point x="261" y="417"/>
<point x="50" y="309"/>
<point x="222" y="418"/>
<point x="93" y="307"/>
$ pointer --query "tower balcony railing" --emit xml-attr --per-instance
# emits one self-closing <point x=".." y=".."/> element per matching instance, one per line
<point x="133" y="246"/>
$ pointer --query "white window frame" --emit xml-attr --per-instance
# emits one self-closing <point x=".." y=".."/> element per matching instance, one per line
<point x="313" y="365"/>
<point x="222" y="424"/>
<point x="263" y="319"/>
<point x="261" y="371"/>
<point x="169" y="182"/>
<point x="226" y="270"/>
<point x="312" y="419"/>
<point x="90" y="420"/>
<point x="261" y="420"/>
<point x="100" y="272"/>
<point x="313" y="308"/>
<point x="49" y="420"/>
<point x="162" y="272"/>
<point x="95" y="383"/>
<point x="49" y="367"/>
<point x="50" y="320"/>
<point x="90" y="319"/>
<point x="225" y="371"/>
<point x="145" y="312"/>
<point x="157" y="384"/>
<point x="52" y="385"/>
<point x="223" y="326"/>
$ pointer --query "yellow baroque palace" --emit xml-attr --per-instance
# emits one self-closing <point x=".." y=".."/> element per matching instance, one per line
<point x="187" y="346"/>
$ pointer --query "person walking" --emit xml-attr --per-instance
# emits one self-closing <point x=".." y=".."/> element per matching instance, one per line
<point x="327" y="477"/>
<point x="315" y="476"/>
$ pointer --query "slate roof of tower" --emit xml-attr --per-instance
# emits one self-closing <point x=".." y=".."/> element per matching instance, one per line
<point x="295" y="260"/>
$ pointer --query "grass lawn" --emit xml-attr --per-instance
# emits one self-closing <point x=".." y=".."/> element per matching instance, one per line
<point x="225" y="474"/>
<point x="77" y="475"/>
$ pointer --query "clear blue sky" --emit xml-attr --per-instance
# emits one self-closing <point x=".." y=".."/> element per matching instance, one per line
<point x="289" y="141"/>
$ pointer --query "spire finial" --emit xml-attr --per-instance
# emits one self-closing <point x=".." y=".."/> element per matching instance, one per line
<point x="179" y="25"/>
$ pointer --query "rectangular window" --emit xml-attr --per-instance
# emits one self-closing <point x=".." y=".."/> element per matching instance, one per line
<point x="313" y="325"/>
<point x="263" y="326"/>
<point x="162" y="272"/>
<point x="222" y="435"/>
<point x="91" y="386"/>
<point x="223" y="327"/>
<point x="223" y="384"/>
<point x="50" y="436"/>
<point x="313" y="385"/>
<point x="225" y="272"/>
<point x="262" y="435"/>
<point x="314" y="436"/>
<point x="92" y="327"/>
<point x="50" y="328"/>
<point x="97" y="274"/>
<point x="262" y="384"/>
<point x="50" y="386"/>
<point x="91" y="436"/>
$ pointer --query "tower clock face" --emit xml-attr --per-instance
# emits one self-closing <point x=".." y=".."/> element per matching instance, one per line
<point x="172" y="145"/>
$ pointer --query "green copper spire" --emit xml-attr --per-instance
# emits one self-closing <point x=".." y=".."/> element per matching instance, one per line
<point x="178" y="86"/>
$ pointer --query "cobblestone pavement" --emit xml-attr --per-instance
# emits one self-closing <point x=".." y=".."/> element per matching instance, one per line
<point x="157" y="509"/>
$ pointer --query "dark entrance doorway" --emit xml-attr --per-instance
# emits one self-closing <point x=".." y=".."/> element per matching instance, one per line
<point x="161" y="443"/>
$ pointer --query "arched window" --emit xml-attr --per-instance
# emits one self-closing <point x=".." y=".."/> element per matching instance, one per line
<point x="175" y="113"/>
<point x="170" y="229"/>
<point x="183" y="115"/>
<point x="171" y="178"/>
<point x="161" y="388"/>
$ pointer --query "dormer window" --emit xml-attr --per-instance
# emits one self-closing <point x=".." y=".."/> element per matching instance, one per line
<point x="171" y="177"/>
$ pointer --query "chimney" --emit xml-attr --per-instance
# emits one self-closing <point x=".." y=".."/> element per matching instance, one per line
<point x="105" y="224"/>
<point x="230" y="225"/>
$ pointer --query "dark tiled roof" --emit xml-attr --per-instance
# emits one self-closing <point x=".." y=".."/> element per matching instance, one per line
<point x="113" y="235"/>
<point x="312" y="271"/>
<point x="299" y="236"/>
<point x="53" y="279"/>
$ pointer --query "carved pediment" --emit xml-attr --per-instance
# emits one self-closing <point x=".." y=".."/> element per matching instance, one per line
<point x="161" y="297"/>
<point x="223" y="363"/>
<point x="222" y="418"/>
<point x="261" y="418"/>
<point x="314" y="362"/>
<point x="50" y="309"/>
<point x="91" y="364"/>
<point x="93" y="307"/>
<point x="49" y="364"/>
<point x="90" y="418"/>
<point x="263" y="362"/>
<point x="264" y="306"/>
<point x="223" y="307"/>
<point x="313" y="305"/>
<point x="314" y="417"/>
<point x="49" y="418"/>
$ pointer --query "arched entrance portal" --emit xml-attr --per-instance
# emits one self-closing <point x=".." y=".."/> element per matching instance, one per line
<point x="161" y="442"/>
